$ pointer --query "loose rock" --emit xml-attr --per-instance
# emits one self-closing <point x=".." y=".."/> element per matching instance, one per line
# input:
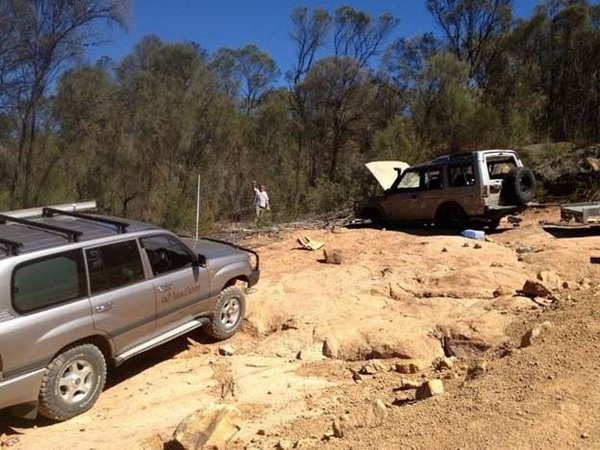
<point x="372" y="367"/>
<point x="443" y="362"/>
<point x="534" y="288"/>
<point x="284" y="444"/>
<point x="212" y="426"/>
<point x="411" y="366"/>
<point x="227" y="350"/>
<point x="331" y="348"/>
<point x="408" y="384"/>
<point x="549" y="278"/>
<point x="476" y="369"/>
<point x="502" y="291"/>
<point x="333" y="256"/>
<point x="531" y="336"/>
<point x="430" y="388"/>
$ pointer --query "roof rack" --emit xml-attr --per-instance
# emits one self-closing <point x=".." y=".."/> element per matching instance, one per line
<point x="121" y="226"/>
<point x="12" y="247"/>
<point x="73" y="235"/>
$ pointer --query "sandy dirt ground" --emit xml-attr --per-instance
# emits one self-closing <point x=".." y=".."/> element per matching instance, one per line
<point x="398" y="295"/>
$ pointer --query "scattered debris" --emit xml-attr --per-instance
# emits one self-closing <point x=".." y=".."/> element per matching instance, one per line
<point x="337" y="229"/>
<point x="290" y="324"/>
<point x="476" y="369"/>
<point x="530" y="337"/>
<point x="524" y="249"/>
<point x="227" y="350"/>
<point x="309" y="244"/>
<point x="357" y="377"/>
<point x="430" y="388"/>
<point x="443" y="362"/>
<point x="473" y="234"/>
<point x="411" y="366"/>
<point x="372" y="367"/>
<point x="502" y="291"/>
<point x="331" y="348"/>
<point x="407" y="384"/>
<point x="444" y="250"/>
<point x="284" y="444"/>
<point x="477" y="246"/>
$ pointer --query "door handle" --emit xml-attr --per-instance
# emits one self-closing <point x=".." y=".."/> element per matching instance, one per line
<point x="165" y="287"/>
<point x="104" y="307"/>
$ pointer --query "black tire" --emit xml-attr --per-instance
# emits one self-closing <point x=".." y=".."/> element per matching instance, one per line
<point x="493" y="224"/>
<point x="73" y="382"/>
<point x="519" y="186"/>
<point x="451" y="216"/>
<point x="223" y="324"/>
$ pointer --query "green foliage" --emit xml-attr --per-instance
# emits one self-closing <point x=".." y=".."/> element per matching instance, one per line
<point x="135" y="134"/>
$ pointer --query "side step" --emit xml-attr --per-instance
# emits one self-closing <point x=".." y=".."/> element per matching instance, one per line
<point x="161" y="339"/>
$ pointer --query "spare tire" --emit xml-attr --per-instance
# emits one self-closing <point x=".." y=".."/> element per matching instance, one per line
<point x="518" y="186"/>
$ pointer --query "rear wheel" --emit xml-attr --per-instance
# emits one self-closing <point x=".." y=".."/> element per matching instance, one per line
<point x="73" y="382"/>
<point x="451" y="216"/>
<point x="228" y="314"/>
<point x="493" y="224"/>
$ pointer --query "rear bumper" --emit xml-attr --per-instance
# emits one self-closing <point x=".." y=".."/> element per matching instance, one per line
<point x="253" y="277"/>
<point x="21" y="389"/>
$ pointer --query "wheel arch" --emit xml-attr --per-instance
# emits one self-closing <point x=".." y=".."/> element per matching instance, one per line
<point x="102" y="342"/>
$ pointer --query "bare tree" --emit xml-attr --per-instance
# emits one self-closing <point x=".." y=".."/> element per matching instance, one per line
<point x="357" y="35"/>
<point x="309" y="34"/>
<point x="472" y="28"/>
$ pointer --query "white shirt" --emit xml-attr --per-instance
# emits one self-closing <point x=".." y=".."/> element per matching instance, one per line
<point x="261" y="198"/>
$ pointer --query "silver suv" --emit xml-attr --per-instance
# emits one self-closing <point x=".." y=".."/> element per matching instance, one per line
<point x="81" y="292"/>
<point x="450" y="191"/>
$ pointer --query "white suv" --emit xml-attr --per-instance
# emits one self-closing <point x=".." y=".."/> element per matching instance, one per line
<point x="452" y="190"/>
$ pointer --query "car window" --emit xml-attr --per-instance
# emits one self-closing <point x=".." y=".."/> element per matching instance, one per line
<point x="166" y="253"/>
<point x="499" y="167"/>
<point x="432" y="179"/>
<point x="113" y="266"/>
<point x="410" y="180"/>
<point x="461" y="175"/>
<point x="48" y="281"/>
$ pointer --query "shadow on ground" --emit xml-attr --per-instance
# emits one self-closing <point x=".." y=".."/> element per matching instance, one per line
<point x="115" y="376"/>
<point x="422" y="230"/>
<point x="574" y="232"/>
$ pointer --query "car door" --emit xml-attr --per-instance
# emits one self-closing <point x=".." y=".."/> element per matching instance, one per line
<point x="431" y="193"/>
<point x="464" y="187"/>
<point x="402" y="201"/>
<point x="122" y="298"/>
<point x="180" y="285"/>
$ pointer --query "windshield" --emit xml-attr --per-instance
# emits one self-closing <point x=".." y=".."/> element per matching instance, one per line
<point x="410" y="180"/>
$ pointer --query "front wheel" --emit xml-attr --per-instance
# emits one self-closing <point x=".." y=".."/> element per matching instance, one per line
<point x="73" y="382"/>
<point x="228" y="314"/>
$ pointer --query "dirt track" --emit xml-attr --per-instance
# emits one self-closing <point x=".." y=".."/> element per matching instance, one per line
<point x="397" y="295"/>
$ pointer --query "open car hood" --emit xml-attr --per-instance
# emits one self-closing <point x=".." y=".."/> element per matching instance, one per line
<point x="386" y="172"/>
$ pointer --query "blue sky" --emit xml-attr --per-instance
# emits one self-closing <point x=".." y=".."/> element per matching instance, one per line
<point x="233" y="23"/>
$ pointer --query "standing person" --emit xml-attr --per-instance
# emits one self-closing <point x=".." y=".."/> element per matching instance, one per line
<point x="261" y="199"/>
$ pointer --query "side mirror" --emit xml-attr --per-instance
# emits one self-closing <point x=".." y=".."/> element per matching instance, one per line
<point x="200" y="260"/>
